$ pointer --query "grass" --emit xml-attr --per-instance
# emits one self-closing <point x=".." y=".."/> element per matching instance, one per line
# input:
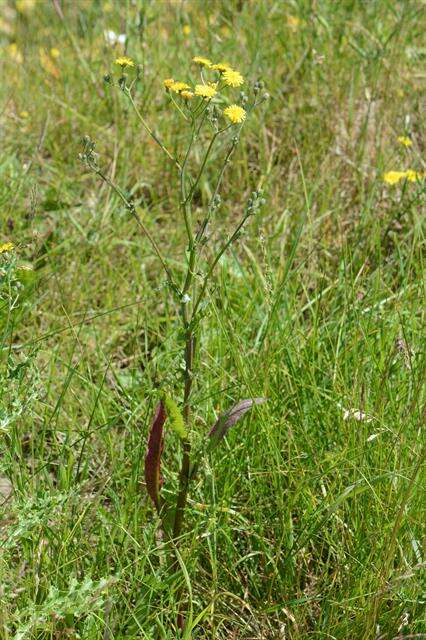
<point x="308" y="523"/>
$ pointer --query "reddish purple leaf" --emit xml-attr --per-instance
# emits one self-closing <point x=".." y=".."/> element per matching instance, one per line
<point x="153" y="455"/>
<point x="230" y="417"/>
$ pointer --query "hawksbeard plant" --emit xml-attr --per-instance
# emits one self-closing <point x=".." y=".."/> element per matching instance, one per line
<point x="214" y="120"/>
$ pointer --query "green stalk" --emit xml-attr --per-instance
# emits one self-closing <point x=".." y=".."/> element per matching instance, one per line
<point x="149" y="130"/>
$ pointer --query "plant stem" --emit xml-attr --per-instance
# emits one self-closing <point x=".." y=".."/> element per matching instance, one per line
<point x="150" y="131"/>
<point x="185" y="467"/>
<point x="210" y="270"/>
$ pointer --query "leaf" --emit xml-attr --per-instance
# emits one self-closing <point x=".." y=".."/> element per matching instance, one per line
<point x="153" y="455"/>
<point x="230" y="417"/>
<point x="176" y="419"/>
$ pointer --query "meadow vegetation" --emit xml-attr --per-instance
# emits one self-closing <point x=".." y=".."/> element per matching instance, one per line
<point x="307" y="521"/>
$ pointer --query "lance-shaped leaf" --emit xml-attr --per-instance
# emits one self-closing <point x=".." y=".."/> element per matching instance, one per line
<point x="229" y="418"/>
<point x="153" y="455"/>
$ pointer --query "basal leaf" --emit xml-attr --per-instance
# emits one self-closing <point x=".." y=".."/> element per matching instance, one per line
<point x="153" y="455"/>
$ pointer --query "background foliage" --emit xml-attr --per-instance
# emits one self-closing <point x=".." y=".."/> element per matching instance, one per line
<point x="309" y="523"/>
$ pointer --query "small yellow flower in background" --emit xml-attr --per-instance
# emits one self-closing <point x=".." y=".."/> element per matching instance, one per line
<point x="14" y="53"/>
<point x="177" y="87"/>
<point x="405" y="140"/>
<point x="187" y="95"/>
<point x="413" y="176"/>
<point x="204" y="62"/>
<point x="221" y="67"/>
<point x="124" y="61"/>
<point x="186" y="29"/>
<point x="293" y="22"/>
<point x="24" y="6"/>
<point x="55" y="53"/>
<point x="393" y="177"/>
<point x="7" y="246"/>
<point x="235" y="114"/>
<point x="47" y="63"/>
<point x="233" y="78"/>
<point x="168" y="82"/>
<point x="24" y="114"/>
<point x="205" y="90"/>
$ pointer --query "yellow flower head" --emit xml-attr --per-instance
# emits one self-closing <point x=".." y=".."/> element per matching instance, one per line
<point x="405" y="140"/>
<point x="221" y="67"/>
<point x="204" y="62"/>
<point x="14" y="53"/>
<point x="233" y="78"/>
<point x="205" y="90"/>
<point x="235" y="114"/>
<point x="177" y="87"/>
<point x="412" y="176"/>
<point x="7" y="246"/>
<point x="124" y="61"/>
<point x="186" y="29"/>
<point x="47" y="63"/>
<point x="187" y="95"/>
<point x="168" y="82"/>
<point x="393" y="177"/>
<point x="54" y="52"/>
<point x="293" y="22"/>
<point x="24" y="6"/>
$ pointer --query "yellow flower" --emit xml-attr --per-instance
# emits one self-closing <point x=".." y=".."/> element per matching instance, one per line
<point x="25" y="5"/>
<point x="54" y="52"/>
<point x="204" y="62"/>
<point x="187" y="95"/>
<point x="7" y="246"/>
<point x="124" y="61"/>
<point x="235" y="114"/>
<point x="24" y="114"/>
<point x="14" y="53"/>
<point x="221" y="67"/>
<point x="177" y="87"/>
<point x="168" y="82"/>
<point x="186" y="29"/>
<point x="393" y="177"/>
<point x="233" y="78"/>
<point x="293" y="22"/>
<point x="47" y="64"/>
<point x="412" y="176"/>
<point x="205" y="90"/>
<point x="405" y="140"/>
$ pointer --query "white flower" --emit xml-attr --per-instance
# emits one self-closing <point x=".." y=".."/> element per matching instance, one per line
<point x="355" y="414"/>
<point x="113" y="38"/>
